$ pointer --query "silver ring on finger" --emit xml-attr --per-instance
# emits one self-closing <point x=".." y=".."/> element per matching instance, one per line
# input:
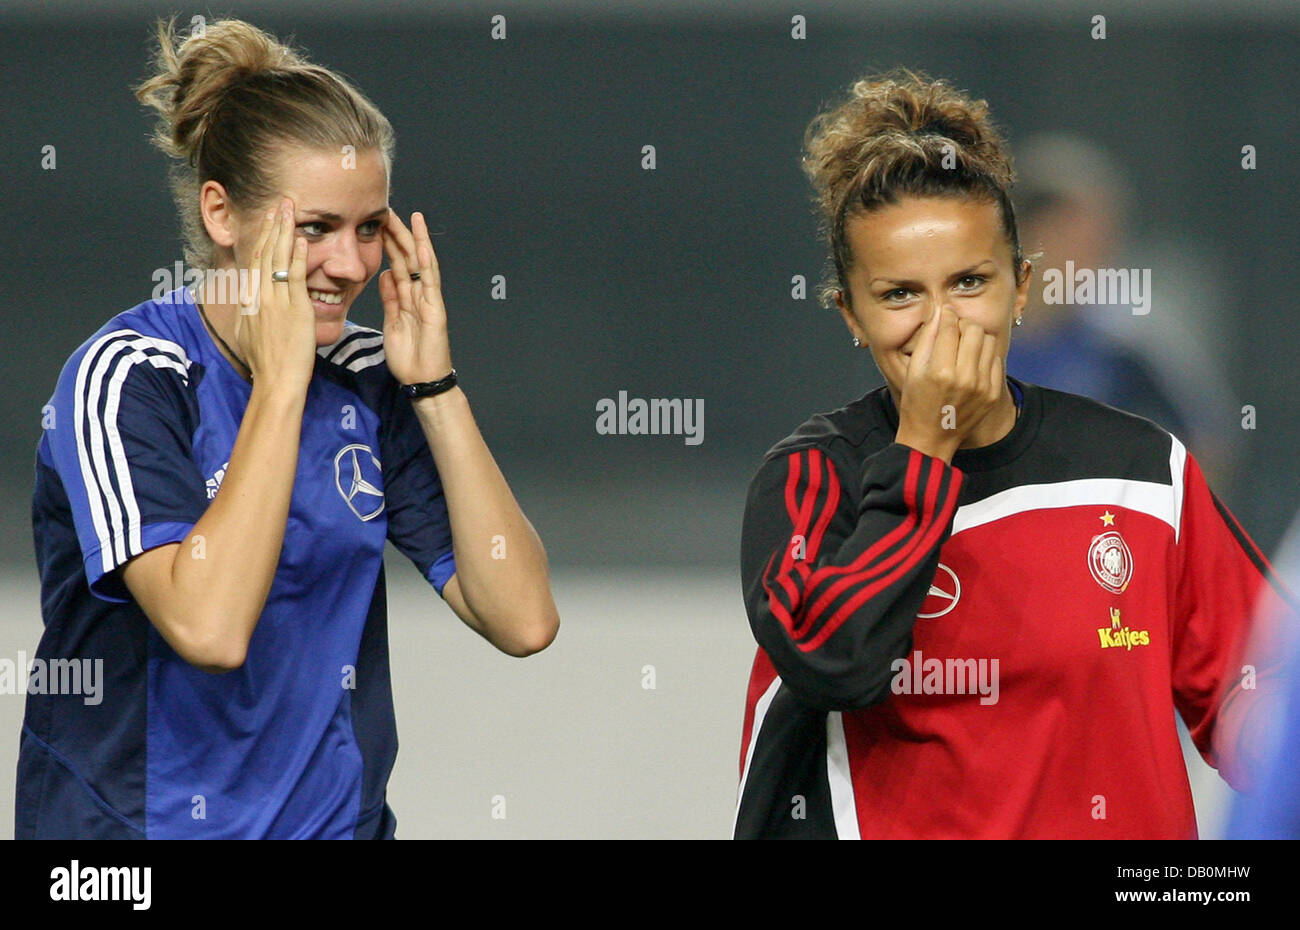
<point x="282" y="276"/>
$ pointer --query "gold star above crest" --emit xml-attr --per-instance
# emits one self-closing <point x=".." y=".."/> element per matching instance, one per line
<point x="1107" y="519"/>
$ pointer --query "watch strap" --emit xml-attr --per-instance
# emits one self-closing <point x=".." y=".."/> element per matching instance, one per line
<point x="430" y="388"/>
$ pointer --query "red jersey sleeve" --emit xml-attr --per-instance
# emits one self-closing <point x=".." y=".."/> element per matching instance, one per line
<point x="1222" y="679"/>
<point x="835" y="566"/>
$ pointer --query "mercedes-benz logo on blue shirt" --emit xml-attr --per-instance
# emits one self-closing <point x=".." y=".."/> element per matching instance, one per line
<point x="358" y="478"/>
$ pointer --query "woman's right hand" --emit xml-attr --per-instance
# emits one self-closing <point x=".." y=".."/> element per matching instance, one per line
<point x="955" y="377"/>
<point x="276" y="331"/>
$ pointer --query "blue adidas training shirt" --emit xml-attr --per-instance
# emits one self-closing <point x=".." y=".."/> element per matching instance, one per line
<point x="298" y="742"/>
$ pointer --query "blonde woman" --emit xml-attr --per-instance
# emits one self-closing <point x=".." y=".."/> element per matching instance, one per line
<point x="225" y="465"/>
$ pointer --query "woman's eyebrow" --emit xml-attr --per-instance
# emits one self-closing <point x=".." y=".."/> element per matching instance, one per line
<point x="335" y="218"/>
<point x="955" y="274"/>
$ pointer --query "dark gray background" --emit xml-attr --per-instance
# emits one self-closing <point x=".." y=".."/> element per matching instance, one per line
<point x="671" y="283"/>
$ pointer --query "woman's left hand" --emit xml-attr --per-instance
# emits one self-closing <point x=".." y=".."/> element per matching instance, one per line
<point x="415" y="320"/>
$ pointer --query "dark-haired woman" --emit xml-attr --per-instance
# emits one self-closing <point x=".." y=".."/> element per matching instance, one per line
<point x="224" y="465"/>
<point x="978" y="602"/>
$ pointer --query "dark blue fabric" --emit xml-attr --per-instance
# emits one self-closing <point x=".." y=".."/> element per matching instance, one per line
<point x="299" y="741"/>
<point x="1078" y="358"/>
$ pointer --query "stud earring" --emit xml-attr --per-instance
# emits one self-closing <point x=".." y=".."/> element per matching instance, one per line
<point x="1019" y="320"/>
<point x="857" y="343"/>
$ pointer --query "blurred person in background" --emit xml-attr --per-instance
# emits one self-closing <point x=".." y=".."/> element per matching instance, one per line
<point x="1074" y="205"/>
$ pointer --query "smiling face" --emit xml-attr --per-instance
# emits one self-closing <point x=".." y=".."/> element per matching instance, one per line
<point x="922" y="251"/>
<point x="339" y="211"/>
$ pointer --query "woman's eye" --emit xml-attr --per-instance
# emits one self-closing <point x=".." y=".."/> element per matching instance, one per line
<point x="975" y="279"/>
<point x="369" y="229"/>
<point x="896" y="294"/>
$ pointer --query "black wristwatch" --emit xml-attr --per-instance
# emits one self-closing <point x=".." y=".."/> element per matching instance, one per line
<point x="430" y="388"/>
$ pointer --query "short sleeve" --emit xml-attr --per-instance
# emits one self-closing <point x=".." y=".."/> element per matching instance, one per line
<point x="119" y="435"/>
<point x="418" y="524"/>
